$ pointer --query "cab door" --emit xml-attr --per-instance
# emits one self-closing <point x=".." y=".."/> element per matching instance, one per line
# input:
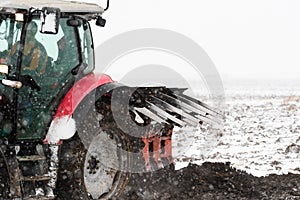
<point x="10" y="32"/>
<point x="48" y="81"/>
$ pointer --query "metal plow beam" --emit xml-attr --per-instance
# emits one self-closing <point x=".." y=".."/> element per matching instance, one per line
<point x="171" y="106"/>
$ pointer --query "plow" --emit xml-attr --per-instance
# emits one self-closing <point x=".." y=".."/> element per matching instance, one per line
<point x="65" y="131"/>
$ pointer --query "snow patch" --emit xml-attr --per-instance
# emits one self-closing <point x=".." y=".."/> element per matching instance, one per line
<point x="61" y="128"/>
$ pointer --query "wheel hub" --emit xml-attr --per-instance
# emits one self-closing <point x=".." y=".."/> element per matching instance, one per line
<point x="93" y="165"/>
<point x="101" y="165"/>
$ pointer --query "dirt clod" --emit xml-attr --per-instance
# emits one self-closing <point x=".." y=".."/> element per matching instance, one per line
<point x="211" y="181"/>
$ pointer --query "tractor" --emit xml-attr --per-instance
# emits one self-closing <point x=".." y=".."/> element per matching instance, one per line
<point x="67" y="132"/>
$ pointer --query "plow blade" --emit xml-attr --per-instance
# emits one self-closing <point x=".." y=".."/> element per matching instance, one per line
<point x="189" y="119"/>
<point x="164" y="114"/>
<point x="198" y="104"/>
<point x="171" y="106"/>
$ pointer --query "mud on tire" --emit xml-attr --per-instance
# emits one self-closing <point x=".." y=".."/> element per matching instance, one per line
<point x="93" y="163"/>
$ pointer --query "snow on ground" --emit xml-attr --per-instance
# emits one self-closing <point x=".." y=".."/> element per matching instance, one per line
<point x="260" y="133"/>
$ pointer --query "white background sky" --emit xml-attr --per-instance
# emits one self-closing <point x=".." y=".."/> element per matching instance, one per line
<point x="244" y="38"/>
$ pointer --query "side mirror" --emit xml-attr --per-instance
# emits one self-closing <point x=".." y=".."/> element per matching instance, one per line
<point x="100" y="21"/>
<point x="50" y="20"/>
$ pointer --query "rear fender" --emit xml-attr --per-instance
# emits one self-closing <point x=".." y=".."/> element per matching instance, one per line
<point x="63" y="125"/>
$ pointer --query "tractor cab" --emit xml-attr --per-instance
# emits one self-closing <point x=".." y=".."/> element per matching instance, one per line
<point x="43" y="51"/>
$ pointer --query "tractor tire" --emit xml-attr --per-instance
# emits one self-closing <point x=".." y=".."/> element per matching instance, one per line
<point x="93" y="164"/>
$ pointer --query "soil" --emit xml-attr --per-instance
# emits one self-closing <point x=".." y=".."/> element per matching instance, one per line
<point x="211" y="181"/>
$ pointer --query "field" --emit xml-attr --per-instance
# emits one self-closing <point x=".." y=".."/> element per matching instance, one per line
<point x="260" y="136"/>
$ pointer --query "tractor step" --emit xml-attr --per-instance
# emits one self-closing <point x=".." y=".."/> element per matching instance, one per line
<point x="31" y="158"/>
<point x="38" y="198"/>
<point x="34" y="174"/>
<point x="36" y="178"/>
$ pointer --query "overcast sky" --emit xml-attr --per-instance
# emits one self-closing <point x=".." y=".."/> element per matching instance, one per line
<point x="244" y="38"/>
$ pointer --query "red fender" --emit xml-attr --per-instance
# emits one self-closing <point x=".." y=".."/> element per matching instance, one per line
<point x="63" y="125"/>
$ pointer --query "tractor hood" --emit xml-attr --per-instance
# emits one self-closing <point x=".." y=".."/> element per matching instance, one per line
<point x="65" y="6"/>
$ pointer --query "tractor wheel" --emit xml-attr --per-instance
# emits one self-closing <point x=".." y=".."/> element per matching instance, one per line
<point x="93" y="168"/>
